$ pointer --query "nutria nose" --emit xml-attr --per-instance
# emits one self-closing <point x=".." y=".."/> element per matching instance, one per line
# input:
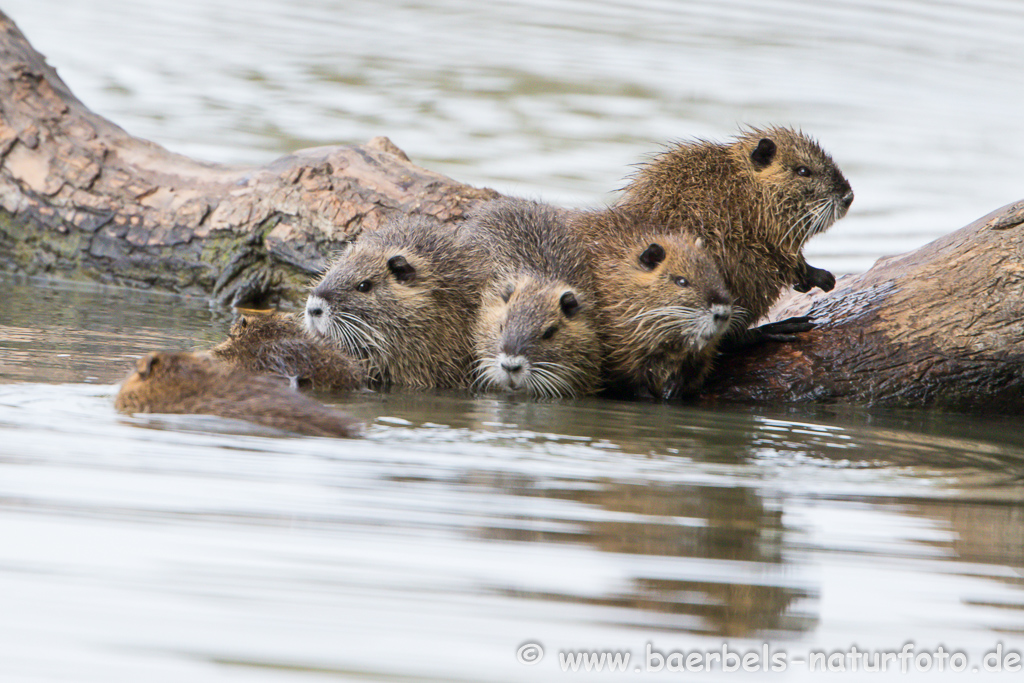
<point x="511" y="367"/>
<point x="718" y="301"/>
<point x="315" y="312"/>
<point x="848" y="199"/>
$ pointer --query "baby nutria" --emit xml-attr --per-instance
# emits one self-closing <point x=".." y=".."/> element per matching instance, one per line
<point x="755" y="202"/>
<point x="277" y="344"/>
<point x="193" y="383"/>
<point x="537" y="328"/>
<point x="402" y="299"/>
<point x="663" y="304"/>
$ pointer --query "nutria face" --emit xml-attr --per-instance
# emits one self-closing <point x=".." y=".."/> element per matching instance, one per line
<point x="536" y="336"/>
<point x="673" y="299"/>
<point x="800" y="179"/>
<point x="369" y="298"/>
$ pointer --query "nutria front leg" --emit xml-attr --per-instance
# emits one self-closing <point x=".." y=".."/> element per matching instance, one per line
<point x="809" y="277"/>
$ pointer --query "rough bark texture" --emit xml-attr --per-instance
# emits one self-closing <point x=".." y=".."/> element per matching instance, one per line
<point x="940" y="326"/>
<point x="80" y="198"/>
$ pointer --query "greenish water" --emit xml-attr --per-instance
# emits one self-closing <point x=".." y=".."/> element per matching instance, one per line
<point x="464" y="528"/>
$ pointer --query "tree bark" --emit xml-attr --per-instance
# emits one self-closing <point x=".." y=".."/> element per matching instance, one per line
<point x="80" y="198"/>
<point x="940" y="326"/>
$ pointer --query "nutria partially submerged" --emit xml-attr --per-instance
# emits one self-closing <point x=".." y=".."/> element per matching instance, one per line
<point x="194" y="383"/>
<point x="278" y="344"/>
<point x="402" y="298"/>
<point x="536" y="331"/>
<point x="663" y="304"/>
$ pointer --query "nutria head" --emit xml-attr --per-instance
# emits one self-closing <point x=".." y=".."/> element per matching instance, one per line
<point x="801" y="188"/>
<point x="664" y="309"/>
<point x="402" y="297"/>
<point x="538" y="336"/>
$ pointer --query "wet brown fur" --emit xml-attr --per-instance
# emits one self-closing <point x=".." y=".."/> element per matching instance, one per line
<point x="645" y="352"/>
<point x="278" y="344"/>
<point x="192" y="383"/>
<point x="539" y="309"/>
<point x="412" y="326"/>
<point x="754" y="217"/>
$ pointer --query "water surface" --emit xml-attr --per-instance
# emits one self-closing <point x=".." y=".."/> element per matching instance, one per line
<point x="463" y="528"/>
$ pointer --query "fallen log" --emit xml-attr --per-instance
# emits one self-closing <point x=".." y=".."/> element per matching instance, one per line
<point x="940" y="326"/>
<point x="81" y="198"/>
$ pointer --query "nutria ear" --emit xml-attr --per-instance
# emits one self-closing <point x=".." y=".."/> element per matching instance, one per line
<point x="506" y="293"/>
<point x="764" y="153"/>
<point x="403" y="270"/>
<point x="146" y="364"/>
<point x="652" y="256"/>
<point x="570" y="305"/>
<point x="699" y="242"/>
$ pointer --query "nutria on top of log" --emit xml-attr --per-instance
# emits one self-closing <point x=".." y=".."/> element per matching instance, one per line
<point x="754" y="201"/>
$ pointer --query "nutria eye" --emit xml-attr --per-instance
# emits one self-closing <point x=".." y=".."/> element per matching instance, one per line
<point x="682" y="281"/>
<point x="803" y="172"/>
<point x="550" y="332"/>
<point x="364" y="286"/>
<point x="506" y="293"/>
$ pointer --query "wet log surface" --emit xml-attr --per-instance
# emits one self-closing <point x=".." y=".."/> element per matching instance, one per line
<point x="81" y="198"/>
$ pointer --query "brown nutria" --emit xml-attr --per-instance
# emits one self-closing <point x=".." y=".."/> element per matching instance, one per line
<point x="663" y="304"/>
<point x="194" y="383"/>
<point x="278" y="344"/>
<point x="402" y="298"/>
<point x="536" y="331"/>
<point x="755" y="202"/>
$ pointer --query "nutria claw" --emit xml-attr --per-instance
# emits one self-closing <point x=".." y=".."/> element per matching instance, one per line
<point x="778" y="331"/>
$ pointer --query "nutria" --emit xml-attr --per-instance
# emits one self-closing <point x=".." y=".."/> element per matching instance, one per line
<point x="755" y="202"/>
<point x="194" y="383"/>
<point x="537" y="327"/>
<point x="663" y="304"/>
<point x="278" y="344"/>
<point x="402" y="298"/>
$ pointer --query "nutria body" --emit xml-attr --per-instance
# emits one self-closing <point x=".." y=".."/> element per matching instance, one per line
<point x="537" y="329"/>
<point x="402" y="299"/>
<point x="278" y="344"/>
<point x="663" y="304"/>
<point x="192" y="383"/>
<point x="755" y="202"/>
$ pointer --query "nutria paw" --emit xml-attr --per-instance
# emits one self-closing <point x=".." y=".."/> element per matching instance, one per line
<point x="812" y="277"/>
<point x="778" y="331"/>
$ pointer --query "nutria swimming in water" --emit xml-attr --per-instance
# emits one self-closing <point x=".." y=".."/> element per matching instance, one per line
<point x="278" y="344"/>
<point x="197" y="384"/>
